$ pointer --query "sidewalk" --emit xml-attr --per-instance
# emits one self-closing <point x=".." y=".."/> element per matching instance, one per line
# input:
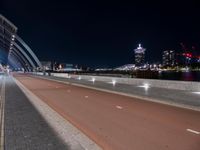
<point x="25" y="129"/>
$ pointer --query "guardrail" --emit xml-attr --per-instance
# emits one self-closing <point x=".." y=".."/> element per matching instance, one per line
<point x="177" y="85"/>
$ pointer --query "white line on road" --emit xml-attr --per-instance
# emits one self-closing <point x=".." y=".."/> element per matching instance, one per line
<point x="68" y="91"/>
<point x="193" y="131"/>
<point x="119" y="107"/>
<point x="86" y="96"/>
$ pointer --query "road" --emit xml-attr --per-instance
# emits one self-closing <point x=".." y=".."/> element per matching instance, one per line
<point x="117" y="122"/>
<point x="182" y="98"/>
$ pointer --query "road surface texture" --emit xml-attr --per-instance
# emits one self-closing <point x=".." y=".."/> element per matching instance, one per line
<point x="117" y="122"/>
<point x="25" y="129"/>
<point x="188" y="99"/>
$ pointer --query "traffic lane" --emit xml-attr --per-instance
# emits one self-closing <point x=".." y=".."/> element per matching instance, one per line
<point x="119" y="122"/>
<point x="183" y="98"/>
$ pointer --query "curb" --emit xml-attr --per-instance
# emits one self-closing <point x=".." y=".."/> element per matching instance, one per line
<point x="2" y="103"/>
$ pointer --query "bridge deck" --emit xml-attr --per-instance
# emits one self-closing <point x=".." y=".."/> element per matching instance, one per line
<point x="119" y="122"/>
<point x="181" y="98"/>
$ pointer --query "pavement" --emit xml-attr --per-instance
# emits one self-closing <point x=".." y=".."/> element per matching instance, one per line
<point x="118" y="122"/>
<point x="24" y="127"/>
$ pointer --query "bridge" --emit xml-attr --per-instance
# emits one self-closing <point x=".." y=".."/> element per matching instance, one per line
<point x="77" y="112"/>
<point x="18" y="53"/>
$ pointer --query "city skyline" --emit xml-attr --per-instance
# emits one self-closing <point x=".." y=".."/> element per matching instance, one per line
<point x="100" y="34"/>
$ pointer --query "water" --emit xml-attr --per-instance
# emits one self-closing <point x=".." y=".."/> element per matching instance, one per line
<point x="183" y="76"/>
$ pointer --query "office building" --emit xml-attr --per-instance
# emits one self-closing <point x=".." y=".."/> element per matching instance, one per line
<point x="139" y="55"/>
<point x="168" y="58"/>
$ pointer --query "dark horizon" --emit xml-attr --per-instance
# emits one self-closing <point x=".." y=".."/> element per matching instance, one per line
<point x="104" y="34"/>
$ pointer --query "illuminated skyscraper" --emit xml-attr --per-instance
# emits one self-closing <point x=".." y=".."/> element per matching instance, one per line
<point x="139" y="55"/>
<point x="168" y="58"/>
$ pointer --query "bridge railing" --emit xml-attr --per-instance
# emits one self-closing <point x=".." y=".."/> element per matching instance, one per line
<point x="169" y="84"/>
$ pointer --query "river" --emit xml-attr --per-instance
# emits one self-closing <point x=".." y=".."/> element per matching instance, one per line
<point x="183" y="76"/>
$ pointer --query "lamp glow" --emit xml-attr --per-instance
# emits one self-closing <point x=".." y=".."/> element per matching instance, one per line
<point x="79" y="78"/>
<point x="146" y="86"/>
<point x="92" y="80"/>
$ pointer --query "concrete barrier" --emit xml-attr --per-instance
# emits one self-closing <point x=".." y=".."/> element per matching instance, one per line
<point x="169" y="84"/>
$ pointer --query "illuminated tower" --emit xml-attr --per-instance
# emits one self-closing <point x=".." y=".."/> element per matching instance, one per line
<point x="139" y="55"/>
<point x="168" y="58"/>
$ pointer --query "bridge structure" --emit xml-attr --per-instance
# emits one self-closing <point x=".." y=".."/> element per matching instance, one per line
<point x="16" y="52"/>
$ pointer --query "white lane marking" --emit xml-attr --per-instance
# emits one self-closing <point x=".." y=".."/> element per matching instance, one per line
<point x="86" y="96"/>
<point x="119" y="107"/>
<point x="193" y="131"/>
<point x="68" y="91"/>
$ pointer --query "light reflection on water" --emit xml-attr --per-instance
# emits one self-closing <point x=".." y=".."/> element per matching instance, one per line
<point x="184" y="76"/>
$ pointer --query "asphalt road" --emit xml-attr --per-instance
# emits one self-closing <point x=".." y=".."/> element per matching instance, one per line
<point x="118" y="122"/>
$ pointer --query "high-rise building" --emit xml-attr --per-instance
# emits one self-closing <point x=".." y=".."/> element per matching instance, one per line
<point x="139" y="55"/>
<point x="168" y="58"/>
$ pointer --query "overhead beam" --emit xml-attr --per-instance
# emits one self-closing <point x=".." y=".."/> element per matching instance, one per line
<point x="25" y="55"/>
<point x="29" y="50"/>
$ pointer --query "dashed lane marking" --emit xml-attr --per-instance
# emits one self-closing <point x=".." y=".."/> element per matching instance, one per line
<point x="193" y="131"/>
<point x="119" y="107"/>
<point x="86" y="96"/>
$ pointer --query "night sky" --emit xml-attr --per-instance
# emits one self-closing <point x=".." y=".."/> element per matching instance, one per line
<point x="103" y="33"/>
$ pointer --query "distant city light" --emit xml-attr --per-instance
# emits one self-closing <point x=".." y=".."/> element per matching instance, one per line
<point x="187" y="55"/>
<point x="60" y="66"/>
<point x="140" y="49"/>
